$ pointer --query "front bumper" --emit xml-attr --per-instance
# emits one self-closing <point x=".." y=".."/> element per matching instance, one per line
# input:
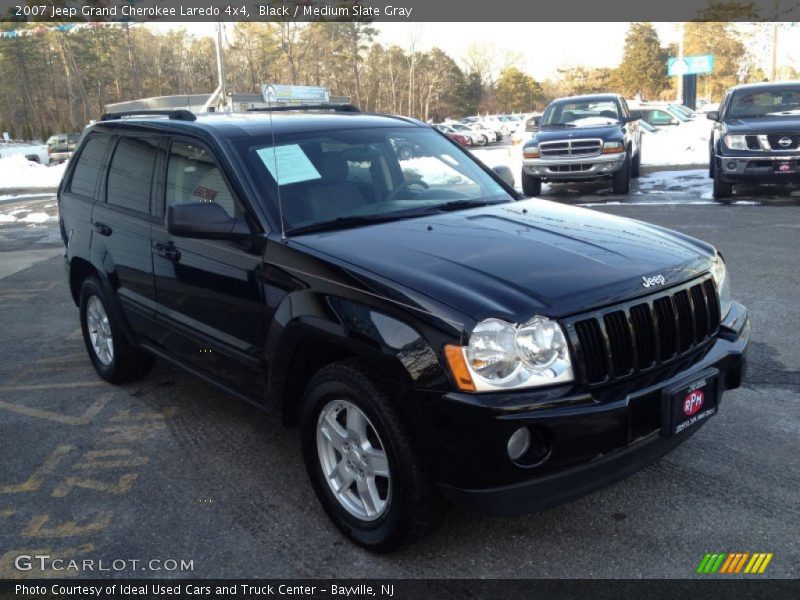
<point x="574" y="169"/>
<point x="758" y="169"/>
<point x="596" y="437"/>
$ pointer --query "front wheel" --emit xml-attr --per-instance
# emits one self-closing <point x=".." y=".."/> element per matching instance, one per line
<point x="621" y="183"/>
<point x="362" y="462"/>
<point x="722" y="189"/>
<point x="531" y="186"/>
<point x="637" y="164"/>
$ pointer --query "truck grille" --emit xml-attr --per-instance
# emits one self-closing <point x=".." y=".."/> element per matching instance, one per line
<point x="570" y="168"/>
<point x="570" y="148"/>
<point x="644" y="334"/>
<point x="775" y="141"/>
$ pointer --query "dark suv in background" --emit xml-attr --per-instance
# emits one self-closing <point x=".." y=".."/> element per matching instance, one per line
<point x="756" y="137"/>
<point x="434" y="335"/>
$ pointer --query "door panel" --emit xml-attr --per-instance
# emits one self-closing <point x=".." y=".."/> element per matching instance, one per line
<point x="208" y="292"/>
<point x="121" y="229"/>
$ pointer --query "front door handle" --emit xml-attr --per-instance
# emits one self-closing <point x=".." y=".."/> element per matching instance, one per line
<point x="168" y="251"/>
<point x="102" y="228"/>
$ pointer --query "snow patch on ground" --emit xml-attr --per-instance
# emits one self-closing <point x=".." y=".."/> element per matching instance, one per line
<point x="36" y="217"/>
<point x="684" y="144"/>
<point x="18" y="172"/>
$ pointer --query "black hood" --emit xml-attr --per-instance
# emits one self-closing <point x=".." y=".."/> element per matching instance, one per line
<point x="518" y="259"/>
<point x="764" y="125"/>
<point x="552" y="134"/>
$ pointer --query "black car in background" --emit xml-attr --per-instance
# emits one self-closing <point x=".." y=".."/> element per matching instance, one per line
<point x="583" y="138"/>
<point x="435" y="336"/>
<point x="756" y="137"/>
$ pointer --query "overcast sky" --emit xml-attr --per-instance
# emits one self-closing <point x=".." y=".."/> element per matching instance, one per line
<point x="542" y="47"/>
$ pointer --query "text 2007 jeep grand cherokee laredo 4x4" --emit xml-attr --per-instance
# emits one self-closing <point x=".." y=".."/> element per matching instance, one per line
<point x="434" y="335"/>
<point x="584" y="138"/>
<point x="756" y="137"/>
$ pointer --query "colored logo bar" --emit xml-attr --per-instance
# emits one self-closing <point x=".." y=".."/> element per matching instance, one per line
<point x="734" y="562"/>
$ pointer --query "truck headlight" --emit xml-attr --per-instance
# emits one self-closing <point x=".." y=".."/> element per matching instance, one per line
<point x="723" y="284"/>
<point x="503" y="356"/>
<point x="613" y="148"/>
<point x="530" y="152"/>
<point x="735" y="142"/>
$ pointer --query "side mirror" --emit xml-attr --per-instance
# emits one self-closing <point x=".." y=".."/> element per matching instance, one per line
<point x="713" y="115"/>
<point x="636" y="115"/>
<point x="204" y="220"/>
<point x="505" y="174"/>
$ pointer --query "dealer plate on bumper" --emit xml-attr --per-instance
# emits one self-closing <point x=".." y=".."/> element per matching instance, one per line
<point x="689" y="403"/>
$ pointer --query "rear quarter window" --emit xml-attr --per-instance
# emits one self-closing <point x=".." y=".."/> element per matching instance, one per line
<point x="89" y="165"/>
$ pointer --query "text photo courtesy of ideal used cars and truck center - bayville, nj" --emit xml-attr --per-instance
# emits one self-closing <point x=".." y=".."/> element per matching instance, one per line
<point x="410" y="300"/>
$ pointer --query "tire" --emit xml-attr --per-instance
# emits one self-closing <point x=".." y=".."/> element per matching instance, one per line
<point x="407" y="504"/>
<point x="711" y="165"/>
<point x="117" y="360"/>
<point x="636" y="167"/>
<point x="621" y="181"/>
<point x="531" y="186"/>
<point x="722" y="189"/>
<point x="483" y="141"/>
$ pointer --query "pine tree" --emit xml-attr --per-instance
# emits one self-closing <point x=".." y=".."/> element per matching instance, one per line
<point x="644" y="63"/>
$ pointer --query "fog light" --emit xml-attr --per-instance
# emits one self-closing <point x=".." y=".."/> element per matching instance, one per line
<point x="519" y="443"/>
<point x="610" y="166"/>
<point x="731" y="166"/>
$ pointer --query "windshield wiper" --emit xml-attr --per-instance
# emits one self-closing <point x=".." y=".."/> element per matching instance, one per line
<point x="559" y="125"/>
<point x="459" y="204"/>
<point x="355" y="221"/>
<point x="748" y="116"/>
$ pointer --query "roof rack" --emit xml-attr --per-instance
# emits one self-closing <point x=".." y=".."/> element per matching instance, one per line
<point x="349" y="108"/>
<point x="178" y="115"/>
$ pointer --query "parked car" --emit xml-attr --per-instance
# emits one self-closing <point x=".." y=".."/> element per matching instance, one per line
<point x="34" y="152"/>
<point x="484" y="136"/>
<point x="457" y="136"/>
<point x="660" y="114"/>
<point x="526" y="129"/>
<point x="583" y="138"/>
<point x="755" y="137"/>
<point x="434" y="336"/>
<point x="503" y="126"/>
<point x="61" y="146"/>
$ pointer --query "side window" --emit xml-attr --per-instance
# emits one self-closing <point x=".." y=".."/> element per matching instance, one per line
<point x="130" y="176"/>
<point x="87" y="170"/>
<point x="193" y="176"/>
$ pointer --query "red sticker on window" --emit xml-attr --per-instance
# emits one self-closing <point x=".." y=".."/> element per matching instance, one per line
<point x="204" y="193"/>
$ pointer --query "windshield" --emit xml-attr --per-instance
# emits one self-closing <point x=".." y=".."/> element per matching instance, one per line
<point x="768" y="102"/>
<point x="581" y="114"/>
<point x="338" y="178"/>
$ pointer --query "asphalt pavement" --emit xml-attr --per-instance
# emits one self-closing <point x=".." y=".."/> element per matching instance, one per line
<point x="169" y="468"/>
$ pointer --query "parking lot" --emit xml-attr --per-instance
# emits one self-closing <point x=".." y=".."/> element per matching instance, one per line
<point x="170" y="469"/>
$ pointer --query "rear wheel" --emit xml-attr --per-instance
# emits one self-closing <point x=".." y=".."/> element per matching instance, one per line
<point x="531" y="186"/>
<point x="362" y="461"/>
<point x="621" y="182"/>
<point x="114" y="358"/>
<point x="723" y="190"/>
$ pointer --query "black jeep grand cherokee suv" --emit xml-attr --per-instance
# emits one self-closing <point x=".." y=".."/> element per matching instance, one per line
<point x="756" y="137"/>
<point x="434" y="335"/>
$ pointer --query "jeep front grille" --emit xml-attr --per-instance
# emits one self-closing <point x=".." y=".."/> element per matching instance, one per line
<point x="570" y="148"/>
<point x="644" y="334"/>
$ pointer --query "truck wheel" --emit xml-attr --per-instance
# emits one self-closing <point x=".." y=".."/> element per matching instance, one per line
<point x="722" y="189"/>
<point x="711" y="166"/>
<point x="113" y="357"/>
<point x="637" y="164"/>
<point x="362" y="461"/>
<point x="621" y="182"/>
<point x="531" y="186"/>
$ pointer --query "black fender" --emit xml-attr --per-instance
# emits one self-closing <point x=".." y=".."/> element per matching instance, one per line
<point x="310" y="330"/>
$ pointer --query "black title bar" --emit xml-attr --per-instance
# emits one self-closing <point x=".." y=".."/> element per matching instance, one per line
<point x="64" y="11"/>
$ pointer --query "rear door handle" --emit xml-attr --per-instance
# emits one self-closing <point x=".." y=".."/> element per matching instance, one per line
<point x="102" y="228"/>
<point x="168" y="251"/>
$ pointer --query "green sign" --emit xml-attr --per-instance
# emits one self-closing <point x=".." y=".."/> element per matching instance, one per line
<point x="294" y="93"/>
<point x="691" y="65"/>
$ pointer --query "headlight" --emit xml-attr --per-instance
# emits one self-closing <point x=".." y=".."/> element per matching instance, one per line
<point x="736" y="142"/>
<point x="502" y="356"/>
<point x="723" y="283"/>
<point x="613" y="148"/>
<point x="530" y="152"/>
